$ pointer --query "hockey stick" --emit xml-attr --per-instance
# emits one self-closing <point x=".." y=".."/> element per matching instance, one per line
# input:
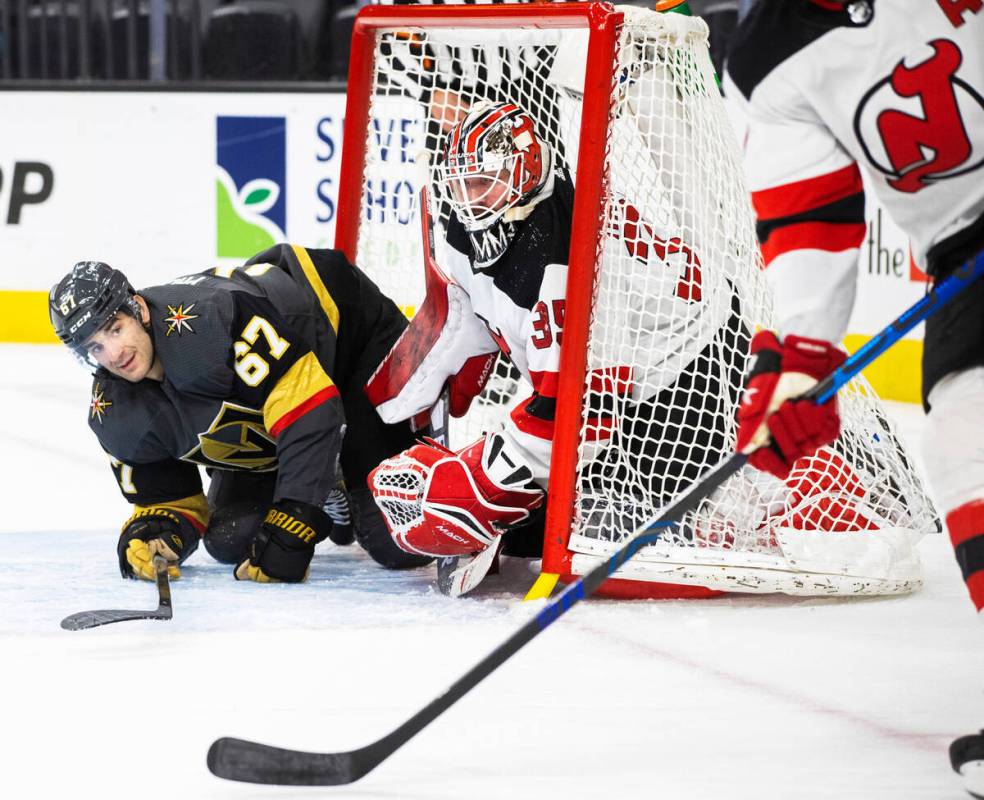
<point x="91" y="619"/>
<point x="239" y="760"/>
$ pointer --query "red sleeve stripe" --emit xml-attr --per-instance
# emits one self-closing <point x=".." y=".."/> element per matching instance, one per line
<point x="299" y="411"/>
<point x="795" y="198"/>
<point x="611" y="380"/>
<point x="533" y="426"/>
<point x="832" y="237"/>
<point x="545" y="383"/>
<point x="965" y="522"/>
<point x="598" y="428"/>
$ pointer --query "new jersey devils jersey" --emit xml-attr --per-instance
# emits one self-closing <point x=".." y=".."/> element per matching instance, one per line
<point x="662" y="315"/>
<point x="255" y="360"/>
<point x="820" y="88"/>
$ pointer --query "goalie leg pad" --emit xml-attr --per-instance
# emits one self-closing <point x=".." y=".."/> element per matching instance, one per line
<point x="441" y="503"/>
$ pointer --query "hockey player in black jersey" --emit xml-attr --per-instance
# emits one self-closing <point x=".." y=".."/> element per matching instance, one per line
<point x="255" y="373"/>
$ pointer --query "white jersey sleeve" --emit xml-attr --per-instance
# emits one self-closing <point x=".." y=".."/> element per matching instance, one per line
<point x="809" y="202"/>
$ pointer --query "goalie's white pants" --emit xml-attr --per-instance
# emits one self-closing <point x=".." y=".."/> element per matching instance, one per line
<point x="954" y="439"/>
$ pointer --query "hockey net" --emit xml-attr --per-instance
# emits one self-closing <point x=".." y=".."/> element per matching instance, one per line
<point x="665" y="290"/>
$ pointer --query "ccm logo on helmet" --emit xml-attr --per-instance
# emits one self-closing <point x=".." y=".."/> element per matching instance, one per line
<point x="80" y="322"/>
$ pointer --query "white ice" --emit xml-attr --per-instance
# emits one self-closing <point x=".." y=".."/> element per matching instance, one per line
<point x="743" y="697"/>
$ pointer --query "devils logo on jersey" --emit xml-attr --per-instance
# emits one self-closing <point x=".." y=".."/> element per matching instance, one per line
<point x="913" y="124"/>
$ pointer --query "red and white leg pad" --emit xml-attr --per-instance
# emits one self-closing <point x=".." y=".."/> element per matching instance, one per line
<point x="440" y="503"/>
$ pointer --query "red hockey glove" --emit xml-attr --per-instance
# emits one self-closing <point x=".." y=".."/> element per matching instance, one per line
<point x="441" y="503"/>
<point x="774" y="428"/>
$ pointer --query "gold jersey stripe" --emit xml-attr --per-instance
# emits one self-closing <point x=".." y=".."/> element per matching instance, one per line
<point x="300" y="383"/>
<point x="324" y="298"/>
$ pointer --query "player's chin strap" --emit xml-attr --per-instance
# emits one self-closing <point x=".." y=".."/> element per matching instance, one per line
<point x="240" y="760"/>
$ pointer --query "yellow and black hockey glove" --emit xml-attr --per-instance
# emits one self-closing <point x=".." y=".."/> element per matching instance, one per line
<point x="282" y="549"/>
<point x="150" y="532"/>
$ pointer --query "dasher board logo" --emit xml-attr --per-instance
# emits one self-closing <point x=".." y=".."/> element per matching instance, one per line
<point x="251" y="184"/>
<point x="915" y="124"/>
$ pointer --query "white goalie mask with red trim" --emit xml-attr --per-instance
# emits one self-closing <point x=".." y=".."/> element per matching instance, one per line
<point x="493" y="162"/>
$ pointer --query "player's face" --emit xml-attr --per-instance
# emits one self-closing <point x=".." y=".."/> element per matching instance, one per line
<point x="481" y="194"/>
<point x="124" y="348"/>
<point x="486" y="190"/>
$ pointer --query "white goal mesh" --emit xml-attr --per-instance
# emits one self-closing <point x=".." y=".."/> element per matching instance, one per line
<point x="679" y="291"/>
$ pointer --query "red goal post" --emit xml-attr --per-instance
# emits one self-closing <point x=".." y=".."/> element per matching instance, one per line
<point x="601" y="21"/>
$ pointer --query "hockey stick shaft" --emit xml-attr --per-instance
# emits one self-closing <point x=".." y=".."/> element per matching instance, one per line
<point x="84" y="620"/>
<point x="943" y="293"/>
<point x="236" y="759"/>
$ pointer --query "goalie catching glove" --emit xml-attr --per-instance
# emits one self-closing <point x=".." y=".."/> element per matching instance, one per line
<point x="151" y="532"/>
<point x="774" y="427"/>
<point x="440" y="503"/>
<point x="282" y="549"/>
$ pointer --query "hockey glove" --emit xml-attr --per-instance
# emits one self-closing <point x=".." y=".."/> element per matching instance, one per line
<point x="773" y="427"/>
<point x="440" y="503"/>
<point x="282" y="548"/>
<point x="150" y="532"/>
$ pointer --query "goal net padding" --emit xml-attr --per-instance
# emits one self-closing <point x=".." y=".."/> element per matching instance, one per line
<point x="665" y="289"/>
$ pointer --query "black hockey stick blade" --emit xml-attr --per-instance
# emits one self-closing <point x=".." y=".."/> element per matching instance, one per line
<point x="251" y="762"/>
<point x="83" y="620"/>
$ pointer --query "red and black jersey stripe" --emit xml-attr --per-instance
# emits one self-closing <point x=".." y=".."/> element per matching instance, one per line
<point x="825" y="212"/>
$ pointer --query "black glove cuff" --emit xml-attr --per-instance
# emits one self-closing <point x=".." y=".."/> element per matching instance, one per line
<point x="157" y="523"/>
<point x="284" y="545"/>
<point x="278" y="561"/>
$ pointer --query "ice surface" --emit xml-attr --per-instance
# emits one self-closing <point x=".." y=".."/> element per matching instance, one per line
<point x="744" y="697"/>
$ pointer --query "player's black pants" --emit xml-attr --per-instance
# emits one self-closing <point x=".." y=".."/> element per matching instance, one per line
<point x="664" y="444"/>
<point x="954" y="339"/>
<point x="238" y="501"/>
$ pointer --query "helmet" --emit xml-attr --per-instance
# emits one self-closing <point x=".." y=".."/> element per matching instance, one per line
<point x="493" y="161"/>
<point x="85" y="300"/>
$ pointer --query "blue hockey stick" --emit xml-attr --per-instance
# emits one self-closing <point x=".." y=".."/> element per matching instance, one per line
<point x="239" y="760"/>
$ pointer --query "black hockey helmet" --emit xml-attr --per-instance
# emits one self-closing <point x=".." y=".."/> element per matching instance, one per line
<point x="85" y="300"/>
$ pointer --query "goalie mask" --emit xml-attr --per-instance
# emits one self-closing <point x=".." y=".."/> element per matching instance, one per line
<point x="86" y="299"/>
<point x="494" y="169"/>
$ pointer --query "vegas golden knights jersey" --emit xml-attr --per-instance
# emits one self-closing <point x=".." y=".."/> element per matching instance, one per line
<point x="257" y="362"/>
